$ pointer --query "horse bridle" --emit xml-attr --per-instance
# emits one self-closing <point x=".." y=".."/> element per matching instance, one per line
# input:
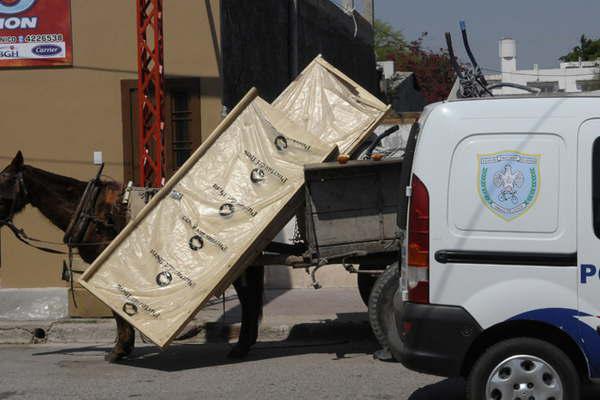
<point x="20" y="192"/>
<point x="19" y="189"/>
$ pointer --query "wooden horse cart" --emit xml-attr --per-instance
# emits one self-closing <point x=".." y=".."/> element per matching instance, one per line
<point x="348" y="219"/>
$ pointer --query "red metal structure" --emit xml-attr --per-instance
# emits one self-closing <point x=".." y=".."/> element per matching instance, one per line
<point x="151" y="93"/>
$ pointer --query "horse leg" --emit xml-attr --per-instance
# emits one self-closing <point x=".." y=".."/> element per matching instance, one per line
<point x="125" y="340"/>
<point x="249" y="287"/>
<point x="255" y="300"/>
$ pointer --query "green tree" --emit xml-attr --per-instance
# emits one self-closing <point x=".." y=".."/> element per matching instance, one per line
<point x="388" y="41"/>
<point x="588" y="49"/>
<point x="433" y="70"/>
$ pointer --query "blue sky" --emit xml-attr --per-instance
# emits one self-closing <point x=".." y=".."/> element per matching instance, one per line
<point x="544" y="29"/>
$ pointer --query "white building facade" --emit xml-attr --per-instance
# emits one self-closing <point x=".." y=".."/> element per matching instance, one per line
<point x="570" y="77"/>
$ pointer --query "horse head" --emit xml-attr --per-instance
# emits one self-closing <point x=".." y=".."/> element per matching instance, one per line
<point x="13" y="193"/>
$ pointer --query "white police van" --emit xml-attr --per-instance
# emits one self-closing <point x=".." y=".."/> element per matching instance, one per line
<point x="500" y="271"/>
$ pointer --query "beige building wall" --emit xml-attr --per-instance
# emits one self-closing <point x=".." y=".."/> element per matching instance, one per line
<point x="59" y="116"/>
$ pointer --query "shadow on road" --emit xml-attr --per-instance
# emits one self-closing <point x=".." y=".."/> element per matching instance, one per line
<point x="179" y="357"/>
<point x="449" y="389"/>
<point x="185" y="357"/>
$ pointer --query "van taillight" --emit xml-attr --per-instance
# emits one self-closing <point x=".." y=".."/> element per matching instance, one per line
<point x="418" y="243"/>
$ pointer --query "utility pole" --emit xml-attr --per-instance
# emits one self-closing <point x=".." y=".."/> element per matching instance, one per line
<point x="151" y="93"/>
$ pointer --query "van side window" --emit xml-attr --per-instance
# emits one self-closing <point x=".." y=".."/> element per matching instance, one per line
<point x="596" y="186"/>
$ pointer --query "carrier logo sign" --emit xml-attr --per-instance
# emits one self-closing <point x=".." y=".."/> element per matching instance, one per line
<point x="46" y="50"/>
<point x="509" y="182"/>
<point x="15" y="6"/>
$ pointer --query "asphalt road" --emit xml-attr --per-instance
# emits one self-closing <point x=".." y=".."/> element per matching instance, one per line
<point x="325" y="370"/>
<point x="282" y="370"/>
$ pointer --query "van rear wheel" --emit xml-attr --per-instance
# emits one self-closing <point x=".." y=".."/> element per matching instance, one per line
<point x="523" y="368"/>
<point x="381" y="313"/>
<point x="366" y="281"/>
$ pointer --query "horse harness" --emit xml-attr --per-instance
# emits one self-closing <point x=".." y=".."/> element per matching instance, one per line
<point x="79" y="223"/>
<point x="119" y="202"/>
<point x="84" y="216"/>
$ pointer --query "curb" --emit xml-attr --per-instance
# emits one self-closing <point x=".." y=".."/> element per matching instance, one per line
<point x="198" y="332"/>
<point x="34" y="304"/>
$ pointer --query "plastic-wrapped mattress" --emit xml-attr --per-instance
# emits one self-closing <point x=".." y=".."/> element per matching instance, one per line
<point x="227" y="202"/>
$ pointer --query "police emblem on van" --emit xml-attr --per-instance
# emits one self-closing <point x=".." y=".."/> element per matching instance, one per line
<point x="509" y="182"/>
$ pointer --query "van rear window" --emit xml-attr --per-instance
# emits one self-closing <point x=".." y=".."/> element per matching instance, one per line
<point x="596" y="185"/>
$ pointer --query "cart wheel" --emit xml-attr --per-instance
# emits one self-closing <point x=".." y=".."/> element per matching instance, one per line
<point x="381" y="312"/>
<point x="365" y="282"/>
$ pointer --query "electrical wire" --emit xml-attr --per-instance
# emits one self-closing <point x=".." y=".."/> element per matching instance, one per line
<point x="350" y="11"/>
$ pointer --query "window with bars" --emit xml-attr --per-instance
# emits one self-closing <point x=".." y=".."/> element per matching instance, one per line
<point x="181" y="118"/>
<point x="182" y="124"/>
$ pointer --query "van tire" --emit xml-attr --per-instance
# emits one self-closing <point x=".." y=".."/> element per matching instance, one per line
<point x="495" y="355"/>
<point x="381" y="312"/>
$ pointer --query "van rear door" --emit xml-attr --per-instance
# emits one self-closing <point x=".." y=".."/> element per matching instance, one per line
<point x="588" y="241"/>
<point x="405" y="175"/>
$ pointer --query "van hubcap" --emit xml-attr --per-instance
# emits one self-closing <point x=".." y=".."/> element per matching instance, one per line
<point x="524" y="378"/>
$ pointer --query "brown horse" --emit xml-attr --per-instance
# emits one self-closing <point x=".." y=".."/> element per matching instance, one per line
<point x="57" y="197"/>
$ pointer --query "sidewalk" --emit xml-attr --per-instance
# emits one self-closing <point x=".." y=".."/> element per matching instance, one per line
<point x="294" y="314"/>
